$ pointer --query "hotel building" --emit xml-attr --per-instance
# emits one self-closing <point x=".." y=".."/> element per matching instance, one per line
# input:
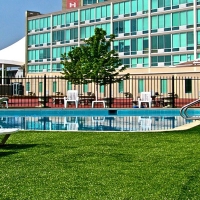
<point x="152" y="36"/>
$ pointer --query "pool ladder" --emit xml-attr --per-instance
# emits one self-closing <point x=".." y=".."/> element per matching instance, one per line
<point x="183" y="111"/>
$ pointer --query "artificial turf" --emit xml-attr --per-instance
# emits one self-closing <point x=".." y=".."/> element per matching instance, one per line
<point x="101" y="165"/>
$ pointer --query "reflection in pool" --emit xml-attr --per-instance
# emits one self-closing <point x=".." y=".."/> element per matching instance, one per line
<point x="93" y="123"/>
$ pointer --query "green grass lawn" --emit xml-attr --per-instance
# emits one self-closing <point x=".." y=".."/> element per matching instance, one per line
<point x="99" y="165"/>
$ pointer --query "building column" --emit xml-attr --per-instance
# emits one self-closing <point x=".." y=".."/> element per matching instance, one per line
<point x="195" y="29"/>
<point x="149" y="35"/>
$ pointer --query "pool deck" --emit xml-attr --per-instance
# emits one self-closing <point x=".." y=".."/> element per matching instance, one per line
<point x="187" y="126"/>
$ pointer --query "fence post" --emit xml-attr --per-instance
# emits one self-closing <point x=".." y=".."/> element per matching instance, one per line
<point x="45" y="92"/>
<point x="173" y="102"/>
<point x="110" y="90"/>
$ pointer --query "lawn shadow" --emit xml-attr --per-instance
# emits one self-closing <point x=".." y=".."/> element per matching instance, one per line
<point x="14" y="148"/>
<point x="17" y="146"/>
<point x="7" y="153"/>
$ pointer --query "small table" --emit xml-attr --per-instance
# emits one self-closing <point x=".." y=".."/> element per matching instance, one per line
<point x="108" y="100"/>
<point x="168" y="101"/>
<point x="42" y="101"/>
<point x="159" y="101"/>
<point x="98" y="101"/>
<point x="86" y="99"/>
<point x="58" y="100"/>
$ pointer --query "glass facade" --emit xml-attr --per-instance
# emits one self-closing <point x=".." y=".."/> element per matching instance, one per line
<point x="89" y="2"/>
<point x="155" y="33"/>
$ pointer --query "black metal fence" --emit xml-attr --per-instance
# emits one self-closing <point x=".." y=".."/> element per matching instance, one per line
<point x="46" y="91"/>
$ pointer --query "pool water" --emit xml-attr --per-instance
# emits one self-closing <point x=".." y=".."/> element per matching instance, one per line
<point x="93" y="119"/>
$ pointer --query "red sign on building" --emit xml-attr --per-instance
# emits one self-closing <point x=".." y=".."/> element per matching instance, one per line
<point x="72" y="4"/>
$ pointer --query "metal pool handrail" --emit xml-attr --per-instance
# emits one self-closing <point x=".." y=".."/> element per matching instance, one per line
<point x="183" y="111"/>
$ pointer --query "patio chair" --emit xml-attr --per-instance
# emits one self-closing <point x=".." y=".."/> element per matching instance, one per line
<point x="72" y="96"/>
<point x="145" y="97"/>
<point x="4" y="100"/>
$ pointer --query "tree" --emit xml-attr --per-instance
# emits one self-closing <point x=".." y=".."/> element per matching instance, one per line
<point x="94" y="61"/>
<point x="72" y="66"/>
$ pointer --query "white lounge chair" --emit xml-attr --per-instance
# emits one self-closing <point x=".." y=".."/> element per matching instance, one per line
<point x="145" y="97"/>
<point x="72" y="96"/>
<point x="4" y="100"/>
<point x="6" y="132"/>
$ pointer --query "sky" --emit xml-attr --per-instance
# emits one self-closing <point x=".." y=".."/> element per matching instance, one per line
<point x="12" y="17"/>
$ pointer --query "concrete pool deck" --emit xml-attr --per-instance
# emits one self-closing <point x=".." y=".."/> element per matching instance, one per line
<point x="187" y="126"/>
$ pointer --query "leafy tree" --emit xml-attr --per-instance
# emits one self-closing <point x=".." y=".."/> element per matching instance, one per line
<point x="72" y="66"/>
<point x="94" y="61"/>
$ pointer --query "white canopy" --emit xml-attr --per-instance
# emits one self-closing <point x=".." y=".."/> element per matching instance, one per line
<point x="13" y="54"/>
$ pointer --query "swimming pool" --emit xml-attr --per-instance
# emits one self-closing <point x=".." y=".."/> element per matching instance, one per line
<point x="94" y="119"/>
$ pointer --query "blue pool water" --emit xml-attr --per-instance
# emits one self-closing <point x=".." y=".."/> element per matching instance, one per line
<point x="94" y="119"/>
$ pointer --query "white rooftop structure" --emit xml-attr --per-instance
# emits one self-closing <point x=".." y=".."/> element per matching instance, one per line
<point x="13" y="54"/>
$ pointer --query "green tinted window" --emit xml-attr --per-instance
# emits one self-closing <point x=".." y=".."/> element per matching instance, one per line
<point x="175" y="19"/>
<point x="140" y="44"/>
<point x="146" y="61"/>
<point x="175" y="40"/>
<point x="116" y="9"/>
<point x="163" y="88"/>
<point x="30" y="25"/>
<point x="161" y="21"/>
<point x="102" y="88"/>
<point x="40" y="87"/>
<point x="28" y="86"/>
<point x="37" y="24"/>
<point x="154" y="43"/>
<point x="98" y="12"/>
<point x="154" y="4"/>
<point x="134" y="62"/>
<point x="175" y="2"/>
<point x="183" y="18"/>
<point x="121" y="86"/>
<point x="82" y="15"/>
<point x="190" y="17"/>
<point x="198" y="16"/>
<point x="126" y="7"/>
<point x="134" y="6"/>
<point x="167" y="19"/>
<point x="92" y="13"/>
<point x="85" y="88"/>
<point x="198" y="37"/>
<point x="127" y="26"/>
<point x="140" y="85"/>
<point x="183" y="40"/>
<point x="190" y="39"/>
<point x="140" y="24"/>
<point x="154" y="22"/>
<point x="188" y="85"/>
<point x="160" y="42"/>
<point x="145" y="24"/>
<point x="54" y="86"/>
<point x="69" y="85"/>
